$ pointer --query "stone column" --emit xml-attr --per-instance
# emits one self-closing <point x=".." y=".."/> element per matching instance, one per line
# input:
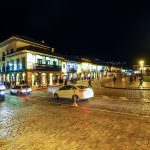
<point x="50" y="79"/>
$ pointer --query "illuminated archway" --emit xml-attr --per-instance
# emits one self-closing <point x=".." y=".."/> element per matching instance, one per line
<point x="43" y="78"/>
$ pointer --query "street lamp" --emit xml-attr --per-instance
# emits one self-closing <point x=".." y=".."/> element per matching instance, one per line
<point x="141" y="62"/>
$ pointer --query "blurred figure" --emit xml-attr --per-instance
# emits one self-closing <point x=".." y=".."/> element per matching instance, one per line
<point x="141" y="82"/>
<point x="65" y="81"/>
<point x="89" y="83"/>
<point x="114" y="79"/>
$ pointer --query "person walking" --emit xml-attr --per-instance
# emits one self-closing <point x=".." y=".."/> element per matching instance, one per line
<point x="130" y="79"/>
<point x="89" y="83"/>
<point x="135" y="78"/>
<point x="114" y="79"/>
<point x="65" y="81"/>
<point x="141" y="83"/>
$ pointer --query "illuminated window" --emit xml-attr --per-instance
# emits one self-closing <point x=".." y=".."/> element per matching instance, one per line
<point x="23" y="63"/>
<point x="11" y="65"/>
<point x="18" y="63"/>
<point x="54" y="63"/>
<point x="59" y="62"/>
<point x="39" y="61"/>
<point x="64" y="66"/>
<point x="47" y="62"/>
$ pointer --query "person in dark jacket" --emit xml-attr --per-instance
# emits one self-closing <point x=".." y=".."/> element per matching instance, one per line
<point x="89" y="83"/>
<point x="65" y="81"/>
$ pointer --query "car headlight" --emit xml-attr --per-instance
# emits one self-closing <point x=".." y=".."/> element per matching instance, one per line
<point x="2" y="92"/>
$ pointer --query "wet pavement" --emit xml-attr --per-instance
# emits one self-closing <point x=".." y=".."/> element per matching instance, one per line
<point x="109" y="121"/>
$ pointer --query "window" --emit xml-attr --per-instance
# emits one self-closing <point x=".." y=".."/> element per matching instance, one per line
<point x="59" y="63"/>
<point x="69" y="87"/>
<point x="23" y="63"/>
<point x="63" y="88"/>
<point x="64" y="66"/>
<point x="18" y="63"/>
<point x="54" y="63"/>
<point x="7" y="67"/>
<point x="47" y="62"/>
<point x="39" y="61"/>
<point x="11" y="65"/>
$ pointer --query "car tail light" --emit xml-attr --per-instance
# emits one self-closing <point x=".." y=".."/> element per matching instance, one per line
<point x="82" y="90"/>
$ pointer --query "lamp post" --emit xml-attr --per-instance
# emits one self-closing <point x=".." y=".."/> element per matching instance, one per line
<point x="141" y="66"/>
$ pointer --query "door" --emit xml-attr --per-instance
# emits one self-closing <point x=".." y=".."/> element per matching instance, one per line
<point x="70" y="91"/>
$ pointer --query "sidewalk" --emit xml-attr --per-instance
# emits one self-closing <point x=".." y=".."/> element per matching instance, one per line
<point x="125" y="84"/>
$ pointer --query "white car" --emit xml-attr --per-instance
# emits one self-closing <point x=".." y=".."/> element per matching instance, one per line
<point x="2" y="91"/>
<point x="74" y="92"/>
<point x="21" y="89"/>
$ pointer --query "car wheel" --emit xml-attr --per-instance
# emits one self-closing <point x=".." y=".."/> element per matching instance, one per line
<point x="29" y="93"/>
<point x="11" y="92"/>
<point x="56" y="96"/>
<point x="75" y="97"/>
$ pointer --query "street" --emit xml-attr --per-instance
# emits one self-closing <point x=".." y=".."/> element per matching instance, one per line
<point x="108" y="121"/>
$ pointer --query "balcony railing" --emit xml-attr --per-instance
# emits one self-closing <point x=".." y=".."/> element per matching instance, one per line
<point x="71" y="70"/>
<point x="12" y="68"/>
<point x="46" y="67"/>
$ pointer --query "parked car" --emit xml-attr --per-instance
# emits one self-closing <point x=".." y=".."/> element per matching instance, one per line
<point x="21" y="89"/>
<point x="74" y="92"/>
<point x="2" y="91"/>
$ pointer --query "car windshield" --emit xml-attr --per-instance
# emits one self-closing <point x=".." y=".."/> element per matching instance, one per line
<point x="81" y="87"/>
<point x="25" y="86"/>
<point x="17" y="87"/>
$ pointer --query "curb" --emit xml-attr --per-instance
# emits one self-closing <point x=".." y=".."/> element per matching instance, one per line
<point x="126" y="88"/>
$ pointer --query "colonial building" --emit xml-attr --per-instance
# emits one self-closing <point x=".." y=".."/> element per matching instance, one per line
<point x="24" y="60"/>
<point x="27" y="61"/>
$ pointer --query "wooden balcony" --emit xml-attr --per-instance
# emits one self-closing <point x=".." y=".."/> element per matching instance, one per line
<point x="46" y="67"/>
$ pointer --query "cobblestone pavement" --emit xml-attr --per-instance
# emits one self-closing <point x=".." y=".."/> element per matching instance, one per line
<point x="36" y="122"/>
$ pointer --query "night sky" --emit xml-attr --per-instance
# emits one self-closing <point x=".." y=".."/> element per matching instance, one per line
<point x="108" y="30"/>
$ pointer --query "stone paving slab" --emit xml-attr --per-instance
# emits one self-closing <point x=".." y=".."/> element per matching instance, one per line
<point x="44" y="127"/>
<point x="35" y="123"/>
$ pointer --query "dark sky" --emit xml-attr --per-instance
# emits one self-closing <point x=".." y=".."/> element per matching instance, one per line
<point x="109" y="30"/>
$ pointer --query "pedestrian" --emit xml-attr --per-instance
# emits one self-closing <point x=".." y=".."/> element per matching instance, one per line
<point x="65" y="81"/>
<point x="90" y="85"/>
<point x="114" y="79"/>
<point x="141" y="82"/>
<point x="82" y="79"/>
<point x="130" y="79"/>
<point x="135" y="78"/>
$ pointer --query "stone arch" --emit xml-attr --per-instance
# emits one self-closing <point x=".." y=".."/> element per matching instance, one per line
<point x="35" y="79"/>
<point x="43" y="79"/>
